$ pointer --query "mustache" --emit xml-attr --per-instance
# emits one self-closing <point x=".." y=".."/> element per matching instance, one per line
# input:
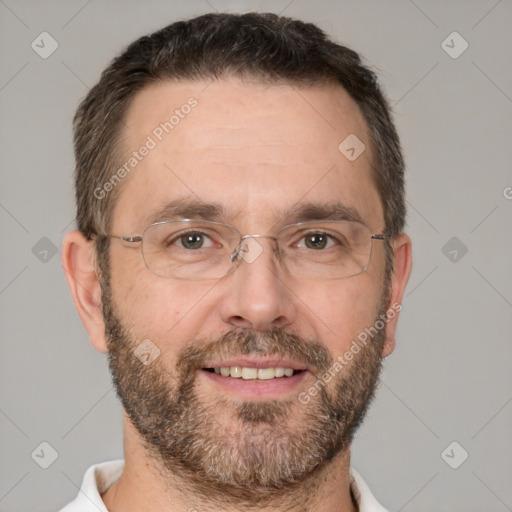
<point x="242" y="342"/>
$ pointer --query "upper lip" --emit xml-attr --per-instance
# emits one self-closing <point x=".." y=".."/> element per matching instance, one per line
<point x="258" y="363"/>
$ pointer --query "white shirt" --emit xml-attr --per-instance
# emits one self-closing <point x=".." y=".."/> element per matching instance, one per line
<point x="100" y="477"/>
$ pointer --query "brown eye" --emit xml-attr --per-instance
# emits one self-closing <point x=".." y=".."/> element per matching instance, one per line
<point x="316" y="241"/>
<point x="190" y="240"/>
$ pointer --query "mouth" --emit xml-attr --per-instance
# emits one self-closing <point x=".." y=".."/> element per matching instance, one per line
<point x="251" y="373"/>
<point x="256" y="368"/>
<point x="263" y="379"/>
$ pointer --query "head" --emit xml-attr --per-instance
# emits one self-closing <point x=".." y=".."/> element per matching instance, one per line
<point x="238" y="119"/>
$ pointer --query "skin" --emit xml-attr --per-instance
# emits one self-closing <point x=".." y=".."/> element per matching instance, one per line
<point x="259" y="150"/>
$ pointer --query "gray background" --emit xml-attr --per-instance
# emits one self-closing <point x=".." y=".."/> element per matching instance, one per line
<point x="450" y="376"/>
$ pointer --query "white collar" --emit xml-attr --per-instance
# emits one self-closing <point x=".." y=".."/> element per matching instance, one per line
<point x="100" y="477"/>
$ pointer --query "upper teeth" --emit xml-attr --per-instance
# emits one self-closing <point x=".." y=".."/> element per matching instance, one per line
<point x="253" y="373"/>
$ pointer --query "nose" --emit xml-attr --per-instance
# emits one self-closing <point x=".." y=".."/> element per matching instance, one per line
<point x="255" y="294"/>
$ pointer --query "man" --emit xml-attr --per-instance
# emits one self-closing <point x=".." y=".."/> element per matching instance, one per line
<point x="241" y="260"/>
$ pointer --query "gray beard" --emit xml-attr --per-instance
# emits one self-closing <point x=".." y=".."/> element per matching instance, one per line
<point x="240" y="453"/>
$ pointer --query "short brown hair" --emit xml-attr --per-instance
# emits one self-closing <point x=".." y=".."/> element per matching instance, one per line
<point x="263" y="46"/>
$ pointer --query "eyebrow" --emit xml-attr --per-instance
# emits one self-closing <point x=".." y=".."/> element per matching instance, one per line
<point x="186" y="209"/>
<point x="320" y="211"/>
<point x="195" y="209"/>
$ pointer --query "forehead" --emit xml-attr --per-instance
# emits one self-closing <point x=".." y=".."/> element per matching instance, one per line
<point x="257" y="150"/>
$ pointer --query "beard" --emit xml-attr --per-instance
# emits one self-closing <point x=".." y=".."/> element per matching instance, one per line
<point x="239" y="451"/>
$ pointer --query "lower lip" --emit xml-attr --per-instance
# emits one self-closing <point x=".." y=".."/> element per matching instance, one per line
<point x="263" y="389"/>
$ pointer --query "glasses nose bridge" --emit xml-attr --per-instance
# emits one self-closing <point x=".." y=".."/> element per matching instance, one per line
<point x="243" y="238"/>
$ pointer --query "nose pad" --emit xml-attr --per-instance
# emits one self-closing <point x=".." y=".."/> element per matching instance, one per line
<point x="248" y="250"/>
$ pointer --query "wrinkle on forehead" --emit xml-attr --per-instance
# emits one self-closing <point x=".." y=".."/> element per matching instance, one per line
<point x="254" y="148"/>
<point x="221" y="105"/>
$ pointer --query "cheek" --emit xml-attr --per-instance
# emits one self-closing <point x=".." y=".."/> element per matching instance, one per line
<point x="340" y="310"/>
<point x="158" y="308"/>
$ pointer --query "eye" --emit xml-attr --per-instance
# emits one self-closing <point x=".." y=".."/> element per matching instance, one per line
<point x="317" y="241"/>
<point x="192" y="240"/>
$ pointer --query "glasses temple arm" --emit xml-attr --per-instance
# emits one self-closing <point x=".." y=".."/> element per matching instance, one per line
<point x="131" y="239"/>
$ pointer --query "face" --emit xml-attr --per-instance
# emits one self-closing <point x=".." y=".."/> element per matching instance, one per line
<point x="260" y="154"/>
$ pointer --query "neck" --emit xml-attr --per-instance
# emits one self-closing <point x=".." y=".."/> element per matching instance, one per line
<point x="146" y="485"/>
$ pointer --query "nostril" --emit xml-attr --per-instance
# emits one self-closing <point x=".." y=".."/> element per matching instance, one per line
<point x="239" y="321"/>
<point x="280" y="321"/>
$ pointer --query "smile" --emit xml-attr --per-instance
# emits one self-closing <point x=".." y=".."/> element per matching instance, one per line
<point x="249" y="373"/>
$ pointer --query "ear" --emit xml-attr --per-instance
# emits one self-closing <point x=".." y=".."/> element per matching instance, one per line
<point x="402" y="264"/>
<point x="79" y="264"/>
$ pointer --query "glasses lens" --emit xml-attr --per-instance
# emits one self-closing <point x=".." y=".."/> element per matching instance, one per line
<point x="199" y="250"/>
<point x="193" y="250"/>
<point x="326" y="250"/>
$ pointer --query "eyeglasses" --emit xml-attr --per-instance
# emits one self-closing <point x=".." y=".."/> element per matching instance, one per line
<point x="202" y="250"/>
